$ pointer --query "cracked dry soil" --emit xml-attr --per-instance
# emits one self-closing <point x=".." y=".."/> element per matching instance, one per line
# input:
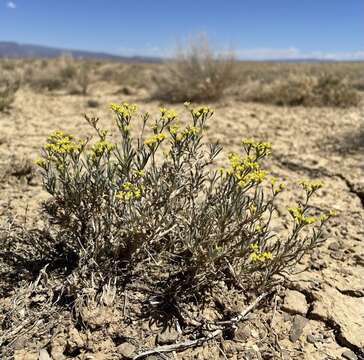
<point x="317" y="314"/>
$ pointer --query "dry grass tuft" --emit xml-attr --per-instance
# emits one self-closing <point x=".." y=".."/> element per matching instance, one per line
<point x="196" y="74"/>
<point x="8" y="88"/>
<point x="304" y="89"/>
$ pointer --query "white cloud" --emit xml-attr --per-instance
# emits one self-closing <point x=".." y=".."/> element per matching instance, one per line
<point x="294" y="53"/>
<point x="148" y="50"/>
<point x="291" y="53"/>
<point x="11" y="5"/>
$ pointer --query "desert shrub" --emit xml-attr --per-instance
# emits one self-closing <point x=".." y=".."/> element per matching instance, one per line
<point x="156" y="207"/>
<point x="47" y="79"/>
<point x="195" y="74"/>
<point x="8" y="65"/>
<point x="52" y="75"/>
<point x="80" y="80"/>
<point x="301" y="89"/>
<point x="330" y="90"/>
<point x="128" y="76"/>
<point x="8" y="89"/>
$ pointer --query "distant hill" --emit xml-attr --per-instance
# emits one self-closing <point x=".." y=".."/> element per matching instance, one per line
<point x="9" y="49"/>
<point x="15" y="50"/>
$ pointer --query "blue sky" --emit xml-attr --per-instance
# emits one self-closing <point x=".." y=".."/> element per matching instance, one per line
<point x="255" y="29"/>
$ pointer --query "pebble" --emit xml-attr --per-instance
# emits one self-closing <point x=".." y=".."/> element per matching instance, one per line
<point x="299" y="322"/>
<point x="295" y="303"/>
<point x="167" y="337"/>
<point x="127" y="350"/>
<point x="349" y="355"/>
<point x="337" y="255"/>
<point x="334" y="246"/>
<point x="311" y="339"/>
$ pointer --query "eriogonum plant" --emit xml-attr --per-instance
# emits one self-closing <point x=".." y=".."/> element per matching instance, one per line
<point x="159" y="201"/>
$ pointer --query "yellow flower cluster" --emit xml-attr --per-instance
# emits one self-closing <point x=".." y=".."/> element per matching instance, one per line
<point x="61" y="143"/>
<point x="262" y="149"/>
<point x="41" y="163"/>
<point x="168" y="114"/>
<point x="174" y="129"/>
<point x="155" y="139"/>
<point x="190" y="130"/>
<point x="129" y="192"/>
<point x="101" y="147"/>
<point x="282" y="186"/>
<point x="325" y="217"/>
<point x="203" y="110"/>
<point x="125" y="110"/>
<point x="299" y="217"/>
<point x="245" y="170"/>
<point x="257" y="256"/>
<point x="138" y="173"/>
<point x="311" y="186"/>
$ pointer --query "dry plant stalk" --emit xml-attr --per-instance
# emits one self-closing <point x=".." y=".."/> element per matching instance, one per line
<point x="196" y="74"/>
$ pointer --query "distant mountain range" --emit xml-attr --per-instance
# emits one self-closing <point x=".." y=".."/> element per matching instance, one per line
<point x="15" y="50"/>
<point x="9" y="49"/>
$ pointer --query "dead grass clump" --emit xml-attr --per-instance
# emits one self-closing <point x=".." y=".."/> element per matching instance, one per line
<point x="46" y="79"/>
<point x="330" y="90"/>
<point x="80" y="80"/>
<point x="302" y="89"/>
<point x="62" y="73"/>
<point x="196" y="74"/>
<point x="8" y="88"/>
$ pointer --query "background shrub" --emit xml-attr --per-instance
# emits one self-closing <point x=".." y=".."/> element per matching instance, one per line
<point x="80" y="80"/>
<point x="61" y="73"/>
<point x="8" y="88"/>
<point x="196" y="74"/>
<point x="324" y="89"/>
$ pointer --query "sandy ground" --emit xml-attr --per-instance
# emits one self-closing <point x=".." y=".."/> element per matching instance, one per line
<point x="324" y="305"/>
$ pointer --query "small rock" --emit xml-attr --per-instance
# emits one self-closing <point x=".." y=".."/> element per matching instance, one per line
<point x="334" y="246"/>
<point x="319" y="264"/>
<point x="286" y="317"/>
<point x="167" y="337"/>
<point x="43" y="355"/>
<point x="337" y="255"/>
<point x="127" y="350"/>
<point x="299" y="322"/>
<point x="311" y="339"/>
<point x="295" y="303"/>
<point x="242" y="333"/>
<point x="348" y="354"/>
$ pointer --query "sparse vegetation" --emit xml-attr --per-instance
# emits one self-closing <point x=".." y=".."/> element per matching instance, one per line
<point x="196" y="74"/>
<point x="61" y="73"/>
<point x="8" y="89"/>
<point x="80" y="81"/>
<point x="149" y="227"/>
<point x="300" y="89"/>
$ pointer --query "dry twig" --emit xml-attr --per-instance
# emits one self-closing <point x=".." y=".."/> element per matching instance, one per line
<point x="211" y="335"/>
